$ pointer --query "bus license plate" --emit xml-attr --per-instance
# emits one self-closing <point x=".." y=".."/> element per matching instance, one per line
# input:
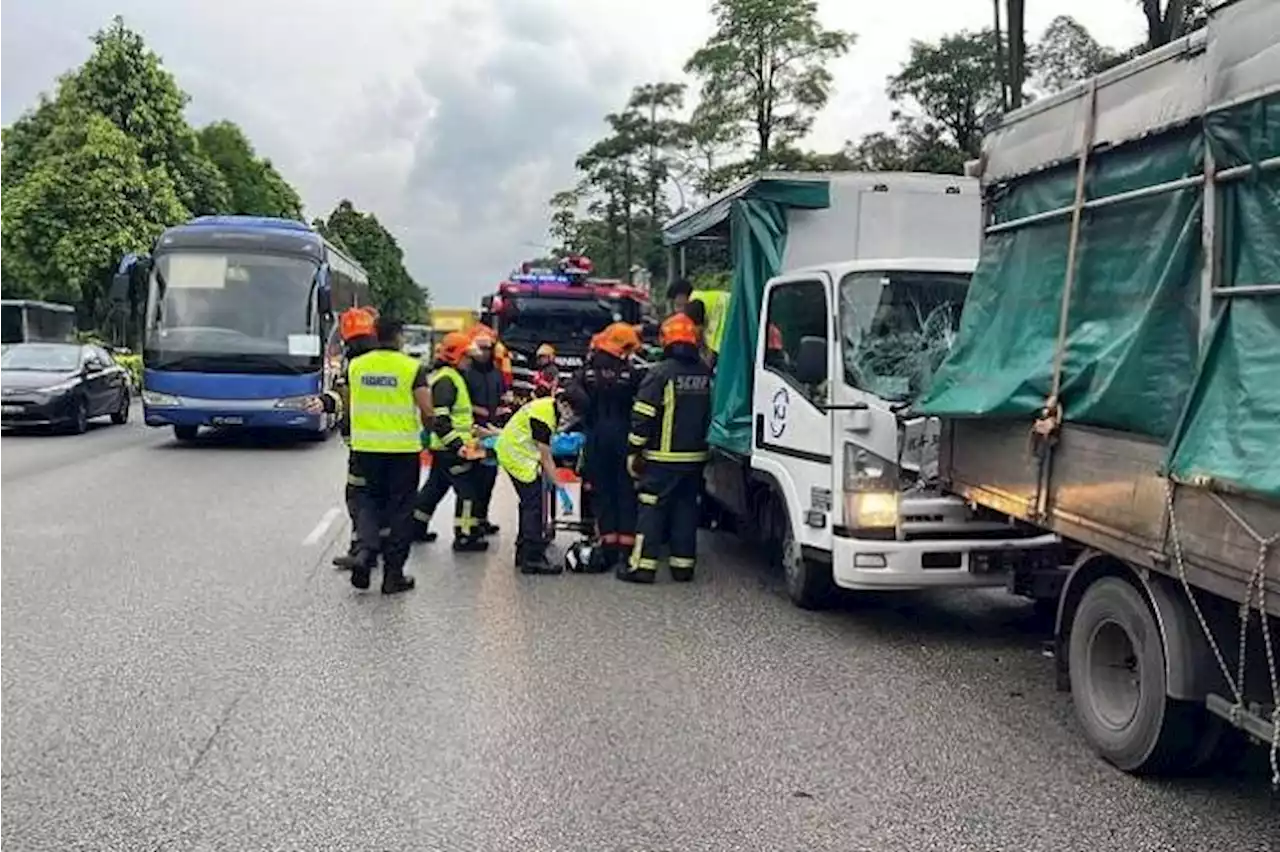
<point x="227" y="421"/>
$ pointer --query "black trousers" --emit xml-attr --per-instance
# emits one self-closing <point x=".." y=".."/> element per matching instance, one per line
<point x="613" y="493"/>
<point x="486" y="479"/>
<point x="385" y="501"/>
<point x="668" y="496"/>
<point x="448" y="470"/>
<point x="532" y="535"/>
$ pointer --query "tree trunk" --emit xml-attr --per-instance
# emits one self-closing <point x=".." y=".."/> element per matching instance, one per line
<point x="1017" y="51"/>
<point x="1002" y="62"/>
<point x="628" y="219"/>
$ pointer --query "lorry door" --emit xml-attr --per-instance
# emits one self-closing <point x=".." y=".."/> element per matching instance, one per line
<point x="792" y="427"/>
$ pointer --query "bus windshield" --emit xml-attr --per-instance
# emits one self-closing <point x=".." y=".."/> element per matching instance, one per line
<point x="205" y="304"/>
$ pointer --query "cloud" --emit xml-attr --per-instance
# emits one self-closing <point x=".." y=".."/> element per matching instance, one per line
<point x="455" y="120"/>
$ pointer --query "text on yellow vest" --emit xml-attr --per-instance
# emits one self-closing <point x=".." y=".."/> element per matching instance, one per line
<point x="384" y="416"/>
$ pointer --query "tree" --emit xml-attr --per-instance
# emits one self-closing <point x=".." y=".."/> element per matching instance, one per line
<point x="955" y="84"/>
<point x="256" y="188"/>
<point x="763" y="70"/>
<point x="89" y="199"/>
<point x="1173" y="20"/>
<point x="1067" y="53"/>
<point x="126" y="82"/>
<point x="394" y="290"/>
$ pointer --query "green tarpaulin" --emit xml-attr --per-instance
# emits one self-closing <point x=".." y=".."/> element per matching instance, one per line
<point x="1133" y="317"/>
<point x="758" y="237"/>
<point x="1230" y="433"/>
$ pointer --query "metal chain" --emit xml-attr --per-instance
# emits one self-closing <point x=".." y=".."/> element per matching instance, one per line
<point x="1258" y="581"/>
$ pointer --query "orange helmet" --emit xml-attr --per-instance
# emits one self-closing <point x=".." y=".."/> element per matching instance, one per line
<point x="356" y="322"/>
<point x="619" y="340"/>
<point x="678" y="328"/>
<point x="454" y="348"/>
<point x="480" y="330"/>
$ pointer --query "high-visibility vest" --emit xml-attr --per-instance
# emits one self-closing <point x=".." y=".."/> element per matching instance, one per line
<point x="460" y="414"/>
<point x="384" y="416"/>
<point x="516" y="449"/>
<point x="717" y="305"/>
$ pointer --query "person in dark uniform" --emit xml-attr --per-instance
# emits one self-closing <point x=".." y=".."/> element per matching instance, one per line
<point x="484" y="383"/>
<point x="603" y="391"/>
<point x="389" y="404"/>
<point x="359" y="335"/>
<point x="455" y="453"/>
<point x="668" y="443"/>
<point x="696" y="310"/>
<point x="679" y="294"/>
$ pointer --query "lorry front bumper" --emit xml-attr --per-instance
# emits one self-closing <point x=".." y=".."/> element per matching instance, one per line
<point x="869" y="565"/>
<point x="229" y="415"/>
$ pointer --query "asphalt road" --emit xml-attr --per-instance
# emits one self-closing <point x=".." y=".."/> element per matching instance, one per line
<point x="182" y="670"/>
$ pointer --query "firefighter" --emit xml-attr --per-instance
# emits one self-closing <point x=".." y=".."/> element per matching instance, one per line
<point x="484" y="383"/>
<point x="679" y="294"/>
<point x="603" y="392"/>
<point x="390" y="402"/>
<point x="455" y="456"/>
<point x="545" y="362"/>
<point x="356" y="328"/>
<point x="696" y="310"/>
<point x="668" y="444"/>
<point x="524" y="451"/>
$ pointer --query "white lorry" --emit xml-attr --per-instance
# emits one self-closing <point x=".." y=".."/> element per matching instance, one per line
<point x="847" y="290"/>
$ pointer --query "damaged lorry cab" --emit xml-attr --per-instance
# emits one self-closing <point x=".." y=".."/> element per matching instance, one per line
<point x="847" y="291"/>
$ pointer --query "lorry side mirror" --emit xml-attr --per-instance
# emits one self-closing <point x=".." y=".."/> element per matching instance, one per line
<point x="811" y="360"/>
<point x="324" y="302"/>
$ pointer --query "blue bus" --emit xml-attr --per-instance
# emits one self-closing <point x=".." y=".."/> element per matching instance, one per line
<point x="238" y="320"/>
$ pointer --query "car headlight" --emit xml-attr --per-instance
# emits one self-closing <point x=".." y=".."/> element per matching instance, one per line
<point x="151" y="397"/>
<point x="60" y="386"/>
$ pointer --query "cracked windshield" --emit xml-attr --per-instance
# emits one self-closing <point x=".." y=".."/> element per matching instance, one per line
<point x="550" y="425"/>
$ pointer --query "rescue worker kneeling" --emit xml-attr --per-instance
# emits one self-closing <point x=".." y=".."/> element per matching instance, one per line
<point x="668" y="444"/>
<point x="454" y="455"/>
<point x="524" y="452"/>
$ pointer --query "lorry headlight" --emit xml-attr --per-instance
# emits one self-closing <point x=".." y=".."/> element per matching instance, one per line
<point x="294" y="403"/>
<point x="150" y="397"/>
<point x="871" y="499"/>
<point x="871" y="510"/>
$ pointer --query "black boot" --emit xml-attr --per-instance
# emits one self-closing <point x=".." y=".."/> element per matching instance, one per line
<point x="535" y="562"/>
<point x="627" y="575"/>
<point x="422" y="533"/>
<point x="682" y="575"/>
<point x="394" y="582"/>
<point x="602" y="559"/>
<point x="469" y="544"/>
<point x="487" y="528"/>
<point x="348" y="560"/>
<point x="362" y="568"/>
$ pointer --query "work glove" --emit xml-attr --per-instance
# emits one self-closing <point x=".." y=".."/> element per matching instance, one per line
<point x="635" y="465"/>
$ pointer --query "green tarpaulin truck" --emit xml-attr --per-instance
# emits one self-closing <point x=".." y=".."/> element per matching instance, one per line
<point x="1116" y="380"/>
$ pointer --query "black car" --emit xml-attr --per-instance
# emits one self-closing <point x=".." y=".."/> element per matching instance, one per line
<point x="61" y="384"/>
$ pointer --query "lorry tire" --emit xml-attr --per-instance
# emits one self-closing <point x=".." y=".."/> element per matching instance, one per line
<point x="1117" y="667"/>
<point x="809" y="582"/>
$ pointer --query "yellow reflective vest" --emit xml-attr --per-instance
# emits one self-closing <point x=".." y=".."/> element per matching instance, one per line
<point x="517" y="451"/>
<point x="460" y="414"/>
<point x="384" y="416"/>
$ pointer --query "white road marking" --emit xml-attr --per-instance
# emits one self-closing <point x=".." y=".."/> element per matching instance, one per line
<point x="321" y="528"/>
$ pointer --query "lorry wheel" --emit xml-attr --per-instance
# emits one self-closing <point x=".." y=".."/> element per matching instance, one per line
<point x="809" y="583"/>
<point x="1117" y="666"/>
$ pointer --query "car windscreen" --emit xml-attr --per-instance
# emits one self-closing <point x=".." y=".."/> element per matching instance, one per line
<point x="41" y="356"/>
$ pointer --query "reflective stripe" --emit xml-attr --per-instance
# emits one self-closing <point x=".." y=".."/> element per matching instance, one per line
<point x="386" y="441"/>
<point x="465" y="521"/>
<point x="636" y="550"/>
<point x="649" y="499"/>
<point x="645" y="565"/>
<point x="668" y="416"/>
<point x="644" y="408"/>
<point x="637" y="440"/>
<point x="441" y="411"/>
<point x="676" y="458"/>
<point x="626" y="540"/>
<point x="419" y="515"/>
<point x="357" y="481"/>
<point x="681" y="562"/>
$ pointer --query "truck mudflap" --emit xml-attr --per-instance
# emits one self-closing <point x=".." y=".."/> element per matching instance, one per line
<point x="892" y="565"/>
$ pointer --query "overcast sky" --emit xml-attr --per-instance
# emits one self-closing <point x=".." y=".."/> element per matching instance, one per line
<point x="455" y="120"/>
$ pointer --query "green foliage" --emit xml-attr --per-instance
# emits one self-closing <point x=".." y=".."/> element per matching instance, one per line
<point x="133" y="363"/>
<point x="1067" y="53"/>
<point x="394" y="290"/>
<point x="256" y="188"/>
<point x="763" y="71"/>
<point x="954" y="83"/>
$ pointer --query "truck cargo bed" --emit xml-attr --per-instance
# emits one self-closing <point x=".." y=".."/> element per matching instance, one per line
<point x="1104" y="490"/>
